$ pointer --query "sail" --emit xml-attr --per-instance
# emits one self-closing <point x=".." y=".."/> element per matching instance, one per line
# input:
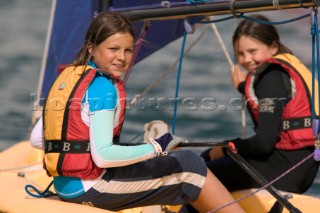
<point x="165" y="20"/>
<point x="70" y="20"/>
<point x="68" y="24"/>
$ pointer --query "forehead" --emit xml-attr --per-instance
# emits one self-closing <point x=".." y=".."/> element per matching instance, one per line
<point x="120" y="38"/>
<point x="247" y="41"/>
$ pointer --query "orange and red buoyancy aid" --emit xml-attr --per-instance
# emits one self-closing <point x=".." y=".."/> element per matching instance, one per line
<point x="67" y="145"/>
<point x="296" y="131"/>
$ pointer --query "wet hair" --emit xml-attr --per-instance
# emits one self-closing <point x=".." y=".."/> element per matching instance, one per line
<point x="265" y="33"/>
<point x="103" y="26"/>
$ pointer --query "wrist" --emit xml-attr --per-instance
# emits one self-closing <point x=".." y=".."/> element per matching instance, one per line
<point x="157" y="148"/>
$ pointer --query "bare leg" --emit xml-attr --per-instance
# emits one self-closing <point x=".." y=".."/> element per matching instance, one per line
<point x="213" y="195"/>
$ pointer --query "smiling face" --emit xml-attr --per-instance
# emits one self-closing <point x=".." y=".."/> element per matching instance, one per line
<point x="114" y="54"/>
<point x="251" y="52"/>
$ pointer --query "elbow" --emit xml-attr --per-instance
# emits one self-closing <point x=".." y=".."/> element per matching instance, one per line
<point x="36" y="137"/>
<point x="265" y="147"/>
<point x="36" y="141"/>
<point x="263" y="151"/>
<point x="32" y="139"/>
<point x="101" y="163"/>
<point x="100" y="160"/>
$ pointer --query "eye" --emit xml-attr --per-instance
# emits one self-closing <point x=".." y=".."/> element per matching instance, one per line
<point x="239" y="54"/>
<point x="113" y="49"/>
<point x="252" y="51"/>
<point x="129" y="50"/>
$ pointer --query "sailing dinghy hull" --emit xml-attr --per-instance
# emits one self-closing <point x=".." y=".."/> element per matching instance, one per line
<point x="21" y="165"/>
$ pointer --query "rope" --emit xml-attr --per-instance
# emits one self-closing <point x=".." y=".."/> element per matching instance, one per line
<point x="136" y="50"/>
<point x="45" y="193"/>
<point x="178" y="83"/>
<point x="166" y="72"/>
<point x="264" y="187"/>
<point x="226" y="53"/>
<point x="252" y="19"/>
<point x="275" y="23"/>
<point x="211" y="21"/>
<point x="30" y="168"/>
<point x="317" y="55"/>
<point x="315" y="65"/>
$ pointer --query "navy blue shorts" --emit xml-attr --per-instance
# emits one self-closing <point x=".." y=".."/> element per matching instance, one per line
<point x="168" y="180"/>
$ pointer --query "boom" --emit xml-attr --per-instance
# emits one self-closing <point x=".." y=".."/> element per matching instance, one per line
<point x="168" y="11"/>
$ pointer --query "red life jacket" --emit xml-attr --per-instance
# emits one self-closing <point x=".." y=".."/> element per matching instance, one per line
<point x="67" y="145"/>
<point x="296" y="131"/>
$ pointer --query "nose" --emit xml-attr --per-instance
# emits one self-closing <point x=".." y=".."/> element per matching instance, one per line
<point x="121" y="56"/>
<point x="247" y="58"/>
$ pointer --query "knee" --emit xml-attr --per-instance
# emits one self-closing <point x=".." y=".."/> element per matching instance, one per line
<point x="191" y="162"/>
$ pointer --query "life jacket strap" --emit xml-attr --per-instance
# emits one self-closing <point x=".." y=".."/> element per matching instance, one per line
<point x="296" y="123"/>
<point x="64" y="146"/>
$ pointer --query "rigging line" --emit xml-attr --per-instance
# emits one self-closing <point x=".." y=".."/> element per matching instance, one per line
<point x="316" y="156"/>
<point x="143" y="34"/>
<point x="241" y="15"/>
<point x="178" y="83"/>
<point x="313" y="74"/>
<point x="170" y="69"/>
<point x="315" y="64"/>
<point x="275" y="23"/>
<point x="317" y="142"/>
<point x="211" y="21"/>
<point x="263" y="187"/>
<point x="302" y="5"/>
<point x="226" y="53"/>
<point x="317" y="55"/>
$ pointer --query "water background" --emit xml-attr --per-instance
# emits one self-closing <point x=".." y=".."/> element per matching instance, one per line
<point x="205" y="78"/>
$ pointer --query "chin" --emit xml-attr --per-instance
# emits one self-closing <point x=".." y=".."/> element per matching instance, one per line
<point x="117" y="74"/>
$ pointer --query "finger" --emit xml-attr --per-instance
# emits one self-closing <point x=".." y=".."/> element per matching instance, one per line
<point x="234" y="70"/>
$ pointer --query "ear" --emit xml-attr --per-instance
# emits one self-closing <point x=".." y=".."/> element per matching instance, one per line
<point x="91" y="49"/>
<point x="275" y="48"/>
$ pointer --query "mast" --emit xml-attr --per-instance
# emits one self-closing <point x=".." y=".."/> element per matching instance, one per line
<point x="36" y="106"/>
<point x="104" y="5"/>
<point x="214" y="8"/>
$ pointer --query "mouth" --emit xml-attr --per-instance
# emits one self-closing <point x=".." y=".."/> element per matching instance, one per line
<point x="119" y="67"/>
<point x="251" y="67"/>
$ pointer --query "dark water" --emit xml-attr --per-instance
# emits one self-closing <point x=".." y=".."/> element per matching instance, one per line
<point x="205" y="78"/>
